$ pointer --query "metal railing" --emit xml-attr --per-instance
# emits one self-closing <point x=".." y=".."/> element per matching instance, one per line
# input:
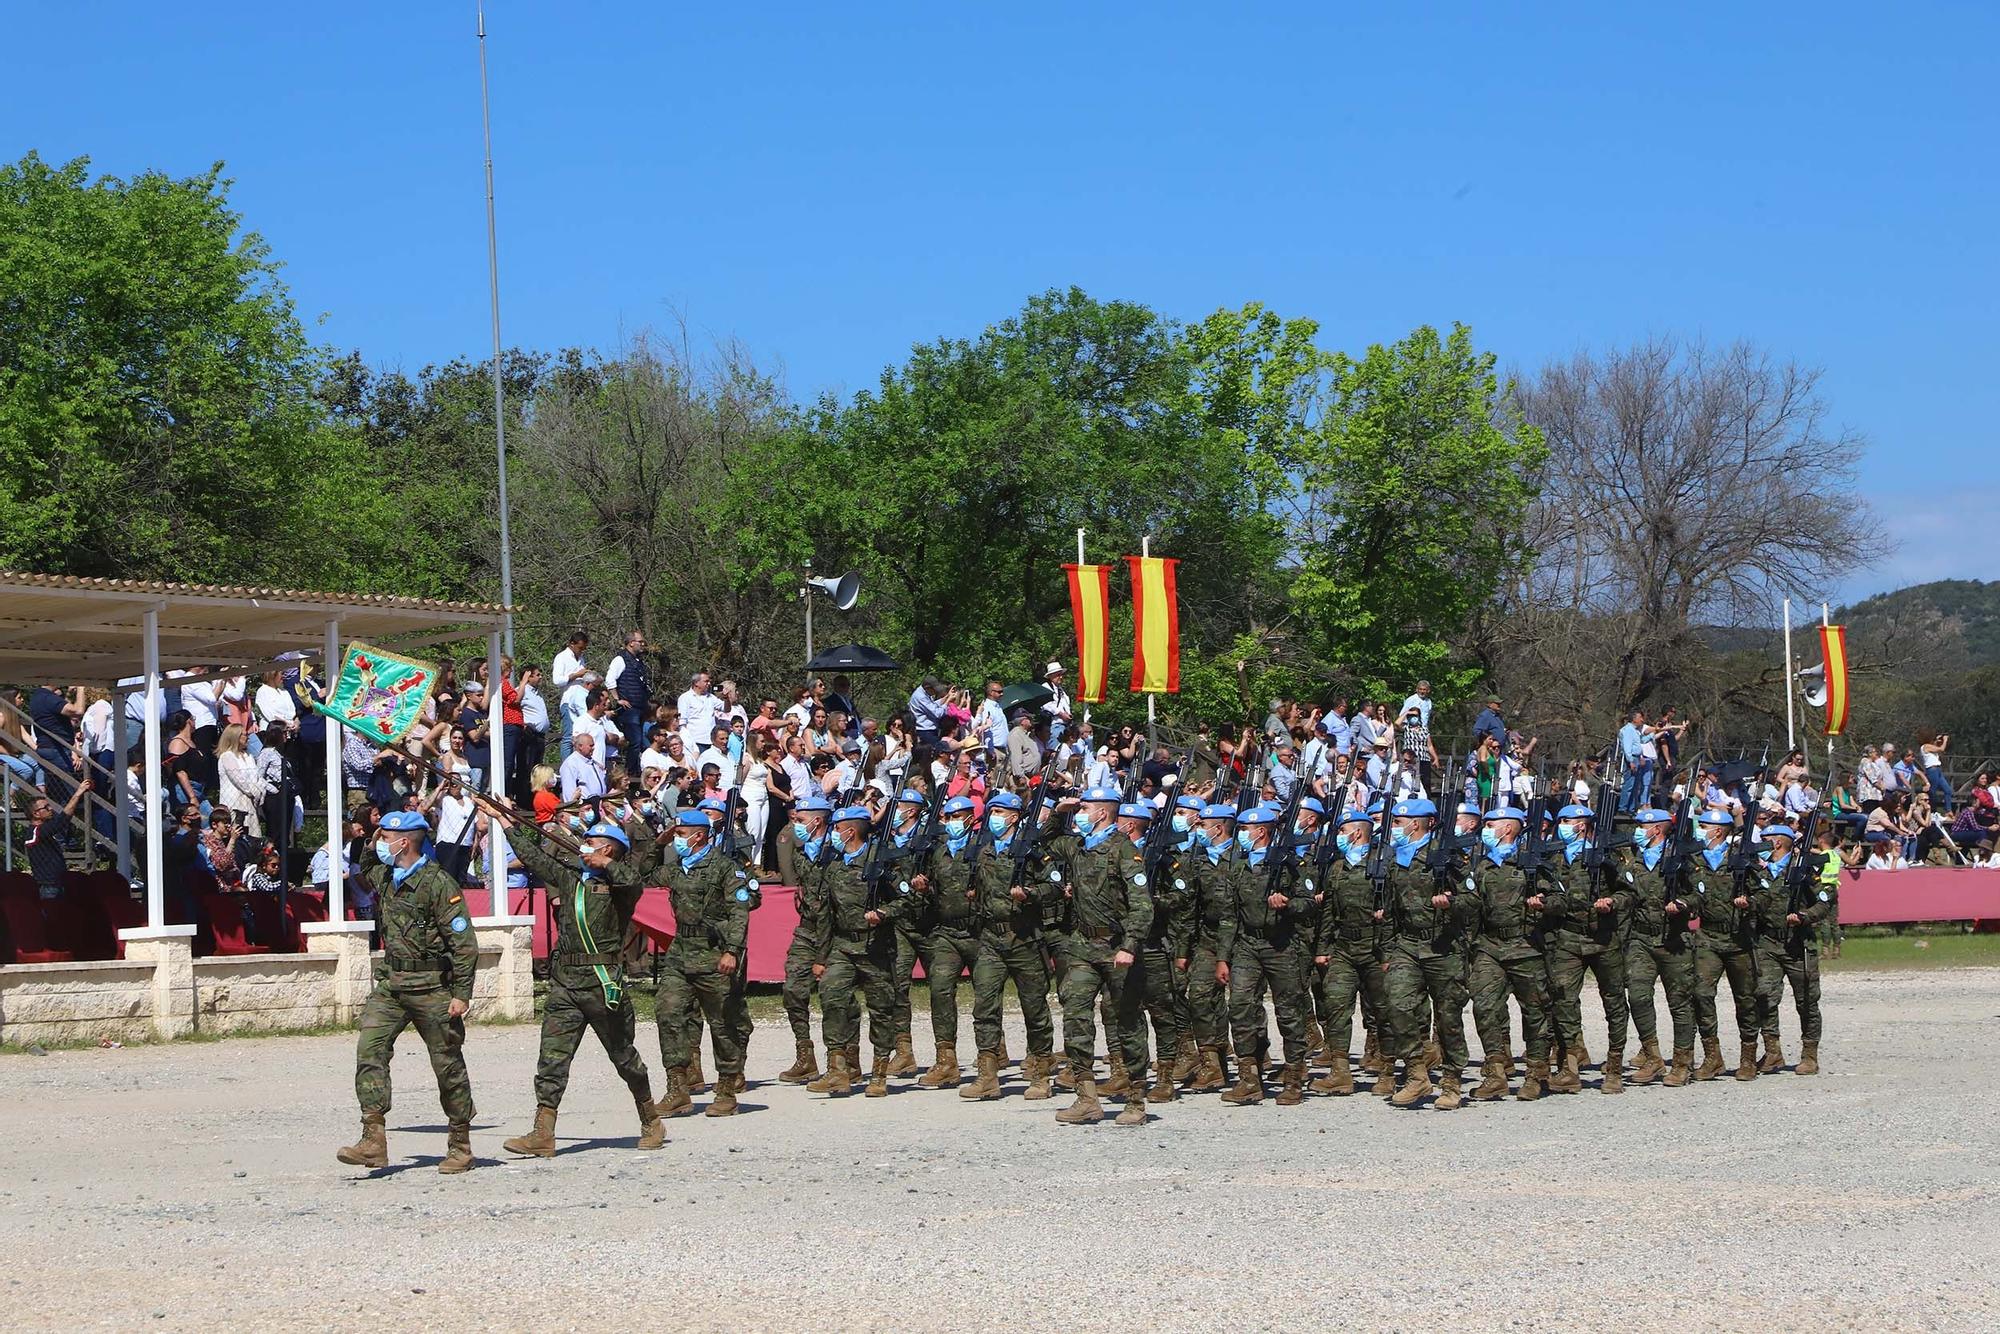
<point x="59" y="785"/>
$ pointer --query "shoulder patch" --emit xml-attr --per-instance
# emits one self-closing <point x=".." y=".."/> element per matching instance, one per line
<point x="742" y="875"/>
<point x="1179" y="883"/>
<point x="458" y="924"/>
<point x="1823" y="896"/>
<point x="456" y="898"/>
<point x="1139" y="879"/>
<point x="742" y="896"/>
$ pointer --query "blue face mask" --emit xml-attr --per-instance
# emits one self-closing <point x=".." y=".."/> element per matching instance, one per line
<point x="1243" y="839"/>
<point x="1181" y="824"/>
<point x="954" y="828"/>
<point x="1400" y="838"/>
<point x="681" y="845"/>
<point x="1490" y="837"/>
<point x="1566" y="831"/>
<point x="799" y="831"/>
<point x="1639" y="837"/>
<point x="382" y="853"/>
<point x="997" y="824"/>
<point x="1080" y="822"/>
<point x="1343" y="843"/>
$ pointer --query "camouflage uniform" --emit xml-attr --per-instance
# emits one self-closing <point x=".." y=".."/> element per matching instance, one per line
<point x="586" y="975"/>
<point x="945" y="917"/>
<point x="1166" y="942"/>
<point x="1507" y="960"/>
<point x="712" y="901"/>
<point x="1110" y="909"/>
<point x="1261" y="944"/>
<point x="1425" y="980"/>
<point x="913" y="937"/>
<point x="1351" y="941"/>
<point x="428" y="957"/>
<point x="806" y="949"/>
<point x="1585" y="940"/>
<point x="856" y="954"/>
<point x="1787" y="953"/>
<point x="1723" y="946"/>
<point x="1206" y="871"/>
<point x="1662" y="947"/>
<point x="1010" y="946"/>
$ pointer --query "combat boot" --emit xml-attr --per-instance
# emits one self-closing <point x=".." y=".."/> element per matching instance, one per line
<point x="904" y="1062"/>
<point x="988" y="1083"/>
<point x="1163" y="1089"/>
<point x="1649" y="1066"/>
<point x="677" y="1102"/>
<point x="1036" y="1068"/>
<point x="1613" y="1080"/>
<point x="1451" y="1094"/>
<point x="1249" y="1085"/>
<point x="805" y="1068"/>
<point x="1292" y="1085"/>
<point x="1385" y="1080"/>
<point x="1120" y="1082"/>
<point x="1371" y="1055"/>
<point x="1808" y="1060"/>
<point x="1065" y="1078"/>
<point x="1534" y="1078"/>
<point x="944" y="1074"/>
<point x="697" y="1082"/>
<point x="1416" y="1085"/>
<point x="839" y="1076"/>
<point x="878" y="1078"/>
<point x="1187" y="1059"/>
<point x="1338" y="1081"/>
<point x="724" y="1101"/>
<point x="1774" y="1055"/>
<point x="1210" y="1076"/>
<point x="652" y="1134"/>
<point x="458" y="1148"/>
<point x="539" y="1142"/>
<point x="1005" y="1060"/>
<point x="1493" y="1085"/>
<point x="1682" y="1069"/>
<point x="1711" y="1057"/>
<point x="1746" y="1069"/>
<point x="372" y="1149"/>
<point x="1433" y="1054"/>
<point x="1578" y="1056"/>
<point x="1315" y="1039"/>
<point x="1086" y="1110"/>
<point x="1133" y="1113"/>
<point x="1565" y="1079"/>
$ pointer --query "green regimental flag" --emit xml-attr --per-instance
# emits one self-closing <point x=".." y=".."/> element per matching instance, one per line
<point x="380" y="695"/>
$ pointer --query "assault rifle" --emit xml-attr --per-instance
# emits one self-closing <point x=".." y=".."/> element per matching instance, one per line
<point x="1027" y="833"/>
<point x="1799" y="875"/>
<point x="1378" y="848"/>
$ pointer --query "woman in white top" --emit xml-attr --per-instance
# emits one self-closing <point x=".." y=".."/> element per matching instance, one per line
<point x="756" y="794"/>
<point x="453" y="812"/>
<point x="274" y="703"/>
<point x="243" y="788"/>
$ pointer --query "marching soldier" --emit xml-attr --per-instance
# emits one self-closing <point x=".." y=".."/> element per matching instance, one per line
<point x="1167" y="946"/>
<point x="913" y="940"/>
<point x="1507" y="959"/>
<point x="1257" y="946"/>
<point x="810" y="836"/>
<point x="1207" y="995"/>
<point x="1589" y="921"/>
<point x="1009" y="910"/>
<point x="704" y="967"/>
<point x="1348" y="949"/>
<point x="591" y="905"/>
<point x="942" y="912"/>
<point x="857" y="949"/>
<point x="1724" y="946"/>
<point x="423" y="980"/>
<point x="1662" y="948"/>
<point x="1110" y="915"/>
<point x="1424" y="983"/>
<point x="1788" y="944"/>
<point x="1305" y="842"/>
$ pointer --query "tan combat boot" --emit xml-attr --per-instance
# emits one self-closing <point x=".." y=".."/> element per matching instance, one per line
<point x="988" y="1083"/>
<point x="1493" y="1084"/>
<point x="652" y="1133"/>
<point x="1163" y="1089"/>
<point x="1774" y="1056"/>
<point x="1037" y="1068"/>
<point x="1578" y="1056"/>
<point x="1711" y="1057"/>
<point x="372" y="1149"/>
<point x="1292" y="1085"/>
<point x="878" y="1077"/>
<point x="1065" y="1077"/>
<point x="1120" y="1082"/>
<point x="458" y="1148"/>
<point x="1416" y="1084"/>
<point x="1133" y="1113"/>
<point x="1565" y="1079"/>
<point x="1371" y="1055"/>
<point x="1451" y="1095"/>
<point x="1086" y="1110"/>
<point x="697" y="1082"/>
<point x="724" y="1101"/>
<point x="1187" y="1058"/>
<point x="1682" y="1071"/>
<point x="1649" y="1066"/>
<point x="1808" y="1060"/>
<point x="677" y="1102"/>
<point x="1315" y="1039"/>
<point x="1534" y="1077"/>
<point x="1209" y="1075"/>
<point x="854" y="1058"/>
<point x="1249" y="1086"/>
<point x="804" y="1069"/>
<point x="1338" y="1081"/>
<point x="1385" y="1080"/>
<point x="839" y="1076"/>
<point x="539" y="1142"/>
<point x="1746" y="1069"/>
<point x="943" y="1074"/>
<point x="1433" y="1054"/>
<point x="1613" y="1080"/>
<point x="904" y="1062"/>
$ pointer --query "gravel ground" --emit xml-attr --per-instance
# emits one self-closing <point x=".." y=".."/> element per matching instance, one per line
<point x="194" y="1186"/>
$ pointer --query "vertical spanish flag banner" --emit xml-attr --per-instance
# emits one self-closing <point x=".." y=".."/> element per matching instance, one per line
<point x="1156" y="626"/>
<point x="1833" y="639"/>
<point x="1090" y="603"/>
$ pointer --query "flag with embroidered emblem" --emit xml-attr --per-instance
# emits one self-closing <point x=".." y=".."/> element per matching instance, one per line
<point x="1090" y="604"/>
<point x="379" y="694"/>
<point x="1156" y="626"/>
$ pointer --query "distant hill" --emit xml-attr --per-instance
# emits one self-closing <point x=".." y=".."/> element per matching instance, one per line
<point x="1953" y="623"/>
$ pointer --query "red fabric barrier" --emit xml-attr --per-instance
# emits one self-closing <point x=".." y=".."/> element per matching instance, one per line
<point x="1919" y="894"/>
<point x="771" y="927"/>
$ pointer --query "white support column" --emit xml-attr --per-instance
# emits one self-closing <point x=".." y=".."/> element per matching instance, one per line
<point x="121" y="765"/>
<point x="512" y="993"/>
<point x="170" y="949"/>
<point x="156" y="841"/>
<point x="336" y="879"/>
<point x="496" y="779"/>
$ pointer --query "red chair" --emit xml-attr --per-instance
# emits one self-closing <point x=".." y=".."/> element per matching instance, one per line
<point x="113" y="900"/>
<point x="21" y="910"/>
<point x="230" y="919"/>
<point x="302" y="906"/>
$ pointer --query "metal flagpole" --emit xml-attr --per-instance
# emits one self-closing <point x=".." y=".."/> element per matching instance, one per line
<point x="1791" y="739"/>
<point x="1079" y="664"/>
<point x="1825" y="620"/>
<point x="1145" y="550"/>
<point x="499" y="393"/>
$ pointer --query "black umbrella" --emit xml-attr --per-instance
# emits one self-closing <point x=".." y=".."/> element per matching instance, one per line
<point x="853" y="658"/>
<point x="1027" y="695"/>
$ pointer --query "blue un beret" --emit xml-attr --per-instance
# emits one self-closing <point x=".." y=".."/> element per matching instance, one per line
<point x="1004" y="801"/>
<point x="956" y="805"/>
<point x="1312" y="804"/>
<point x="847" y="813"/>
<point x="1414" y="807"/>
<point x="1653" y="815"/>
<point x="1219" y="811"/>
<point x="1188" y="803"/>
<point x="1132" y="810"/>
<point x="912" y="797"/>
<point x="1715" y="817"/>
<point x="693" y="819"/>
<point x="403" y="822"/>
<point x="810" y="802"/>
<point x="1109" y="794"/>
<point x="1576" y="812"/>
<point x="612" y="832"/>
<point x="1506" y="813"/>
<point x="1256" y="815"/>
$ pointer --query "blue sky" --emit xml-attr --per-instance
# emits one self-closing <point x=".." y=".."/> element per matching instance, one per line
<point x="830" y="184"/>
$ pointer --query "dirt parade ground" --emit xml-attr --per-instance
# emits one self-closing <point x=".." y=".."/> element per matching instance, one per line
<point x="194" y="1186"/>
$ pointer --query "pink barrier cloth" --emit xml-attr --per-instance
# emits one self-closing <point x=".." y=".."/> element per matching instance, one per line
<point x="771" y="925"/>
<point x="1919" y="894"/>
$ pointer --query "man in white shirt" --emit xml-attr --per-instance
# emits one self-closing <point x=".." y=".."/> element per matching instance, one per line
<point x="569" y="663"/>
<point x="583" y="772"/>
<point x="717" y="754"/>
<point x="1058" y="707"/>
<point x="655" y="756"/>
<point x="595" y="723"/>
<point x="575" y="704"/>
<point x="1420" y="701"/>
<point x="700" y="707"/>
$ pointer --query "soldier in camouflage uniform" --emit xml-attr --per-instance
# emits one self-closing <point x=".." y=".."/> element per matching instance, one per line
<point x="943" y="912"/>
<point x="1306" y="834"/>
<point x="857" y="939"/>
<point x="1507" y="960"/>
<point x="713" y="897"/>
<point x="423" y="980"/>
<point x="913" y="940"/>
<point x="1591" y="923"/>
<point x="1009" y="903"/>
<point x="1258" y="941"/>
<point x="1725" y="946"/>
<point x="1424" y="984"/>
<point x="809" y="833"/>
<point x="591" y="904"/>
<point x="1788" y="943"/>
<point x="1661" y="948"/>
<point x="1348" y="943"/>
<point x="1167" y="873"/>
<point x="1111" y="914"/>
<point x="1207" y="873"/>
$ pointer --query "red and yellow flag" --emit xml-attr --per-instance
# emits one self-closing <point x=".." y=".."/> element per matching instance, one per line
<point x="1090" y="603"/>
<point x="1833" y="640"/>
<point x="1156" y="626"/>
